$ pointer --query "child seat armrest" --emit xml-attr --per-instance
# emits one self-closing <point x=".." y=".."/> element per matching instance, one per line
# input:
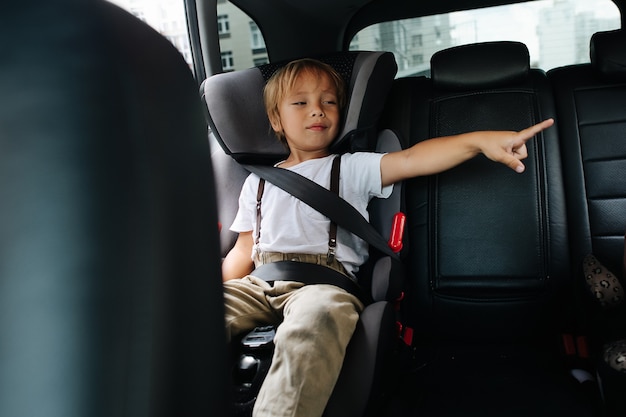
<point x="387" y="279"/>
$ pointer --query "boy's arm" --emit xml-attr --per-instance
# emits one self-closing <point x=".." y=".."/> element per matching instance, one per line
<point x="439" y="154"/>
<point x="238" y="263"/>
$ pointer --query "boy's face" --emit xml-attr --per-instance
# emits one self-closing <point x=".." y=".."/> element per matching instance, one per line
<point x="309" y="114"/>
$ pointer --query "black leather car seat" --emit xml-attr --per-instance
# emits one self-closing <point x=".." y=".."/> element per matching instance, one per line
<point x="241" y="132"/>
<point x="110" y="290"/>
<point x="591" y="100"/>
<point x="489" y="285"/>
<point x="488" y="243"/>
<point x="591" y="106"/>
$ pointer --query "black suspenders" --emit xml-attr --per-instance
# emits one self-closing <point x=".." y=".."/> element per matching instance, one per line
<point x="334" y="187"/>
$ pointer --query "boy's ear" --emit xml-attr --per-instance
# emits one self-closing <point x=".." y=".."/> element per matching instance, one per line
<point x="276" y="125"/>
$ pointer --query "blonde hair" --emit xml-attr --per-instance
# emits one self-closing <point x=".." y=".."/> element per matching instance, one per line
<point x="284" y="79"/>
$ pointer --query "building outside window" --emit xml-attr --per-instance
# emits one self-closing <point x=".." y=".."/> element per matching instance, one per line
<point x="256" y="39"/>
<point x="223" y="25"/>
<point x="228" y="61"/>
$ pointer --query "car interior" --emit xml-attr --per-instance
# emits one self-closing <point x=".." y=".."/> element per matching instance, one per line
<point x="504" y="294"/>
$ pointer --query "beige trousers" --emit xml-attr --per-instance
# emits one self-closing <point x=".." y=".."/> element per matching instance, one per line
<point x="310" y="343"/>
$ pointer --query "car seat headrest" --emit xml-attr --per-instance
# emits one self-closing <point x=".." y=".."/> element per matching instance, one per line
<point x="480" y="65"/>
<point x="239" y="122"/>
<point x="608" y="56"/>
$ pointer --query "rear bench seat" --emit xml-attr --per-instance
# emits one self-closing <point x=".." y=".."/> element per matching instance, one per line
<point x="490" y="279"/>
<point x="591" y="100"/>
<point x="489" y="245"/>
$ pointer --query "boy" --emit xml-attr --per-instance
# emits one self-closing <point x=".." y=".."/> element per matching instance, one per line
<point x="304" y="100"/>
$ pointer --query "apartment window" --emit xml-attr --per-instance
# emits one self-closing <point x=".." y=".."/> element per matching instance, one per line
<point x="256" y="39"/>
<point x="223" y="25"/>
<point x="417" y="40"/>
<point x="228" y="62"/>
<point x="244" y="38"/>
<point x="418" y="59"/>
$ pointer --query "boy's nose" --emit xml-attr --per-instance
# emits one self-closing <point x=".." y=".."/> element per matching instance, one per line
<point x="317" y="111"/>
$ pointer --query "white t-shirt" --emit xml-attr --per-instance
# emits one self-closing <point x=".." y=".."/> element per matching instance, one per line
<point x="289" y="225"/>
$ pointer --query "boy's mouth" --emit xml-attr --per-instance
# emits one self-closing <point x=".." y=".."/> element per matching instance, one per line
<point x="317" y="127"/>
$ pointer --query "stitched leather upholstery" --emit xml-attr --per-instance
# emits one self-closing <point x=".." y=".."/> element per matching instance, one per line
<point x="592" y="110"/>
<point x="592" y="119"/>
<point x="493" y="245"/>
<point x="489" y="282"/>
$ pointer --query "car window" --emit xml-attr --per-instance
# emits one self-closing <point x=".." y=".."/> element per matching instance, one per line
<point x="241" y="41"/>
<point x="165" y="16"/>
<point x="556" y="32"/>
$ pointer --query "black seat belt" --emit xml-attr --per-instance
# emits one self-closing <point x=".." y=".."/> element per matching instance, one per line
<point x="326" y="202"/>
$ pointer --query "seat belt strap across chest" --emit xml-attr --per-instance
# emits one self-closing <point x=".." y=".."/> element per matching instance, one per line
<point x="323" y="200"/>
<point x="332" y="232"/>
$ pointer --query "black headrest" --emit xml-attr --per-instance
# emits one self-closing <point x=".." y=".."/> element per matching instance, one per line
<point x="608" y="55"/>
<point x="239" y="122"/>
<point x="480" y="65"/>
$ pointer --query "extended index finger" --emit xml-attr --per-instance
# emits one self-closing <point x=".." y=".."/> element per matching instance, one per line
<point x="531" y="131"/>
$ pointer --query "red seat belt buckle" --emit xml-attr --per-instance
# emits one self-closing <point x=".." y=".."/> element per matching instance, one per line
<point x="397" y="232"/>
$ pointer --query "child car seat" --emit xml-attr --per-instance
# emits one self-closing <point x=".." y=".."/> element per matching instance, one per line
<point x="240" y="126"/>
